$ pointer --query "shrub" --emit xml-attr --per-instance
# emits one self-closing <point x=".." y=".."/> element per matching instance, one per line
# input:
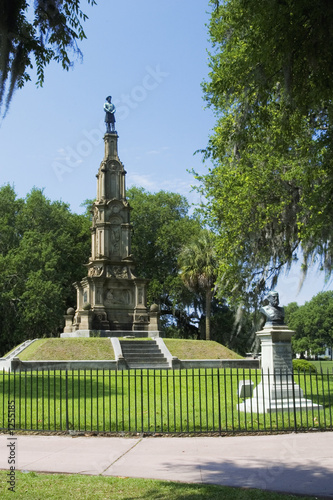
<point x="303" y="365"/>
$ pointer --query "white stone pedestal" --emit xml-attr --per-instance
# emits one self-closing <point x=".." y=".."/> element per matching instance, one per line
<point x="277" y="390"/>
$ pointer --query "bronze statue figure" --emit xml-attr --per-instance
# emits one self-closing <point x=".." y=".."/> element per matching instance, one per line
<point x="273" y="312"/>
<point x="110" y="118"/>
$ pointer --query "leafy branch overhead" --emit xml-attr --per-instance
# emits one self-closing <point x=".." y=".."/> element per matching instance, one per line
<point x="270" y="189"/>
<point x="45" y="31"/>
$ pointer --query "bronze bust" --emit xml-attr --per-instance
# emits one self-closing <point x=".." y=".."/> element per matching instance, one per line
<point x="273" y="312"/>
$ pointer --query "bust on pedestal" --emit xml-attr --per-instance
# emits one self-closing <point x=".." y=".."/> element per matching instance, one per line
<point x="277" y="390"/>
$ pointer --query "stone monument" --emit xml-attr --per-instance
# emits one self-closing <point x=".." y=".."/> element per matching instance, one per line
<point x="277" y="390"/>
<point x="111" y="298"/>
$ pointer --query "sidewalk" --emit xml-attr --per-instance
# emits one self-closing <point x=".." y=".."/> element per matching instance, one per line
<point x="292" y="463"/>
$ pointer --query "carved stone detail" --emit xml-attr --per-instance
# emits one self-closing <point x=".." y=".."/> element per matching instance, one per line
<point x="117" y="272"/>
<point x="115" y="296"/>
<point x="96" y="270"/>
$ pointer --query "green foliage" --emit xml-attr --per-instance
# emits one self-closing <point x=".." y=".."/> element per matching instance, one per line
<point x="232" y="327"/>
<point x="269" y="191"/>
<point x="161" y="227"/>
<point x="42" y="251"/>
<point x="197" y="262"/>
<point x="47" y="30"/>
<point x="303" y="365"/>
<point x="313" y="323"/>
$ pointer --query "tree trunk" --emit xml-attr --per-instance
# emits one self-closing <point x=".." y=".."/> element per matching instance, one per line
<point x="208" y="312"/>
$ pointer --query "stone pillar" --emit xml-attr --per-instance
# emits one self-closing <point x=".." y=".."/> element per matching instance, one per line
<point x="69" y="320"/>
<point x="86" y="320"/>
<point x="154" y="315"/>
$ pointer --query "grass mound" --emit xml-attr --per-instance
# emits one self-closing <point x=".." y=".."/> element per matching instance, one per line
<point x="68" y="349"/>
<point x="199" y="349"/>
<point x="101" y="349"/>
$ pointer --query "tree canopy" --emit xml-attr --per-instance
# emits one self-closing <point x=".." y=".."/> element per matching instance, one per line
<point x="43" y="30"/>
<point x="197" y="262"/>
<point x="161" y="226"/>
<point x="163" y="230"/>
<point x="43" y="247"/>
<point x="270" y="189"/>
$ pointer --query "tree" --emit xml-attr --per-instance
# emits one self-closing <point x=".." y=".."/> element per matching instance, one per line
<point x="313" y="323"/>
<point x="270" y="188"/>
<point x="161" y="227"/>
<point x="198" y="263"/>
<point x="48" y="31"/>
<point x="232" y="327"/>
<point x="42" y="251"/>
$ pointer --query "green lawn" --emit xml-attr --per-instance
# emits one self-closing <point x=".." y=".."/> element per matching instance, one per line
<point x="199" y="349"/>
<point x="323" y="365"/>
<point x="68" y="349"/>
<point x="54" y="486"/>
<point x="148" y="401"/>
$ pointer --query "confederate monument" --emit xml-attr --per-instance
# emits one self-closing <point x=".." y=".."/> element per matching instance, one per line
<point x="111" y="298"/>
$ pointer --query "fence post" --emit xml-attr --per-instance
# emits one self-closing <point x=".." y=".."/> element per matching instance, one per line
<point x="294" y="401"/>
<point x="66" y="390"/>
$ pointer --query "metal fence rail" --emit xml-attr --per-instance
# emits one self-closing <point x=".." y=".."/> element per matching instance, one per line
<point x="154" y="401"/>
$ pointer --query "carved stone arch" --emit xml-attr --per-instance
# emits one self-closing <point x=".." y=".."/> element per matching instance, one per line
<point x="115" y="210"/>
<point x="113" y="165"/>
<point x="115" y="220"/>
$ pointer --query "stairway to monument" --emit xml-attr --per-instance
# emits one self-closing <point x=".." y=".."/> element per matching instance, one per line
<point x="143" y="354"/>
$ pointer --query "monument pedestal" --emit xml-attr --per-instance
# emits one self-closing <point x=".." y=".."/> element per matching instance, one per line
<point x="277" y="390"/>
<point x="112" y="333"/>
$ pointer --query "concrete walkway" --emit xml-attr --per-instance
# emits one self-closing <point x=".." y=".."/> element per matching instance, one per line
<point x="293" y="463"/>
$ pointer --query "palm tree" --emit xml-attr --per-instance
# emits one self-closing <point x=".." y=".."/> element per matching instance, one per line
<point x="198" y="269"/>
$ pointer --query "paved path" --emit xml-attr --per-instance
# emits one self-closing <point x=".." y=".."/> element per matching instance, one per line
<point x="294" y="463"/>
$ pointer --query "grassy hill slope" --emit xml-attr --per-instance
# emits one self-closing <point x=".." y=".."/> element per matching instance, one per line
<point x="101" y="348"/>
<point x="68" y="349"/>
<point x="199" y="349"/>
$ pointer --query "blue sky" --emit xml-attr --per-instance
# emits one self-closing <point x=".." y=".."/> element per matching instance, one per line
<point x="151" y="57"/>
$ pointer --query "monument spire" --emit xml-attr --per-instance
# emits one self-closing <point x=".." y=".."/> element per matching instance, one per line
<point x="111" y="297"/>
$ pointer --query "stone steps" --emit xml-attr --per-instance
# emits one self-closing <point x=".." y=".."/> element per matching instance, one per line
<point x="19" y="349"/>
<point x="143" y="354"/>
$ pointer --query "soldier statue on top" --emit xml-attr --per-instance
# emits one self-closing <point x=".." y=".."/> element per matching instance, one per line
<point x="110" y="118"/>
<point x="273" y="312"/>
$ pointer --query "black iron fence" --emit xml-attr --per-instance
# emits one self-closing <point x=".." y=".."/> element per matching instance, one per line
<point x="165" y="401"/>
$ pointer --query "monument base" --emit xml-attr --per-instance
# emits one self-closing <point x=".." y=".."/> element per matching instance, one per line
<point x="277" y="393"/>
<point x="111" y="333"/>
